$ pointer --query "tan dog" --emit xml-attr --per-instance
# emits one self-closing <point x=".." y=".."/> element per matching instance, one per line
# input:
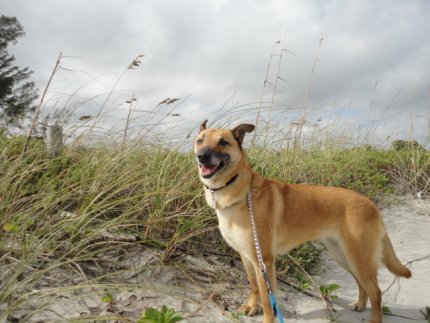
<point x="287" y="215"/>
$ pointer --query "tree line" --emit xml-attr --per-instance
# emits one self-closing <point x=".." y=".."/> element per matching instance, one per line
<point x="17" y="92"/>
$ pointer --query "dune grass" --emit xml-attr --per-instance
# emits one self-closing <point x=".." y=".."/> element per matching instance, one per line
<point x="66" y="211"/>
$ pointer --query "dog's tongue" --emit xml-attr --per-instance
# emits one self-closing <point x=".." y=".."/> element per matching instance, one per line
<point x="207" y="170"/>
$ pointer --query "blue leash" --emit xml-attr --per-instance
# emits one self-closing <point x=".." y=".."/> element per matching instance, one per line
<point x="272" y="298"/>
<point x="275" y="307"/>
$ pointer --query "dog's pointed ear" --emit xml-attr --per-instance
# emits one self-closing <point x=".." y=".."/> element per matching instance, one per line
<point x="240" y="131"/>
<point x="203" y="125"/>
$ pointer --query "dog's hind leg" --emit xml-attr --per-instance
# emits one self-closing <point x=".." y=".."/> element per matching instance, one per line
<point x="367" y="277"/>
<point x="338" y="255"/>
<point x="362" y="260"/>
<point x="251" y="307"/>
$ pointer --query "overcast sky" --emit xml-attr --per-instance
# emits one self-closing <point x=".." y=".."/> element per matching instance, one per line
<point x="371" y="71"/>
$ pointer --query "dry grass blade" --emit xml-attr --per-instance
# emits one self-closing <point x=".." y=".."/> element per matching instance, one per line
<point x="37" y="112"/>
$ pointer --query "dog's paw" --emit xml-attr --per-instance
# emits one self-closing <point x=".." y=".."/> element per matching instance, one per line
<point x="357" y="306"/>
<point x="249" y="310"/>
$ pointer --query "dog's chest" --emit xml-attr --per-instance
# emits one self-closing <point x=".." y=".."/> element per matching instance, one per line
<point x="234" y="232"/>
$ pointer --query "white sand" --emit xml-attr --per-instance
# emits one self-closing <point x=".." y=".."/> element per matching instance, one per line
<point x="193" y="293"/>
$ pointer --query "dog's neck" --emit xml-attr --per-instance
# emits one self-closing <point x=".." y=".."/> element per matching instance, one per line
<point x="230" y="181"/>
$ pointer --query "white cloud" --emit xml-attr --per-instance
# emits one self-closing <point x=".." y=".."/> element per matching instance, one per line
<point x="216" y="54"/>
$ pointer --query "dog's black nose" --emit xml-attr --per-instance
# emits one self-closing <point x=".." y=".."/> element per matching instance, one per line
<point x="204" y="156"/>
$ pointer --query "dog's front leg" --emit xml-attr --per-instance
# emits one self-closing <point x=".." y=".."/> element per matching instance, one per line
<point x="264" y="295"/>
<point x="251" y="307"/>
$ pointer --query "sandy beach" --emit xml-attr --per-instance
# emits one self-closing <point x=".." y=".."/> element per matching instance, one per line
<point x="208" y="290"/>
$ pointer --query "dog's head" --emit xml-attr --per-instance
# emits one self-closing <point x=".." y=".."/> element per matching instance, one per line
<point x="218" y="151"/>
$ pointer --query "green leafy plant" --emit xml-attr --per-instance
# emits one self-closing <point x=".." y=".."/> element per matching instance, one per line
<point x="328" y="291"/>
<point x="237" y="315"/>
<point x="165" y="315"/>
<point x="386" y="310"/>
<point x="426" y="313"/>
<point x="302" y="282"/>
<point x="107" y="296"/>
<point x="11" y="227"/>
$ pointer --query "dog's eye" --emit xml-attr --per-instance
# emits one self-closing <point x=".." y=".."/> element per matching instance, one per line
<point x="222" y="142"/>
<point x="200" y="141"/>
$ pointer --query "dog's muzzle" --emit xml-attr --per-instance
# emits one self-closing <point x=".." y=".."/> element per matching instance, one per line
<point x="211" y="163"/>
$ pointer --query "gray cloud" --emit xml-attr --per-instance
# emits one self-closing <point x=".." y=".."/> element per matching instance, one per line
<point x="372" y="64"/>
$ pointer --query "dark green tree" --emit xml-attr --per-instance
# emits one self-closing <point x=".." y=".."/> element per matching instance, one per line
<point x="17" y="92"/>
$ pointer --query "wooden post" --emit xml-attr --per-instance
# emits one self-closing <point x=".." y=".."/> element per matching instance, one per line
<point x="54" y="140"/>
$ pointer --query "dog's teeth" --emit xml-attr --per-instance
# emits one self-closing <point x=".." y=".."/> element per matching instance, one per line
<point x="208" y="169"/>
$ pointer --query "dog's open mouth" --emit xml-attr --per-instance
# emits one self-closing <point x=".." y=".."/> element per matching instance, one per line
<point x="208" y="171"/>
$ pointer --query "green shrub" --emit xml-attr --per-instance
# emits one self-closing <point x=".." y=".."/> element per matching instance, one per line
<point x="165" y="315"/>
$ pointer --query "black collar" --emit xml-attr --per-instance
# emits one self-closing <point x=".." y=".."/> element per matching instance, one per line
<point x="227" y="184"/>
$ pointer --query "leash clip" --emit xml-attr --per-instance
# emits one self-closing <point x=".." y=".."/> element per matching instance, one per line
<point x="213" y="198"/>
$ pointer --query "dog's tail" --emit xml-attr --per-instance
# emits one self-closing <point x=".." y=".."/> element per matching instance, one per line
<point x="391" y="261"/>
